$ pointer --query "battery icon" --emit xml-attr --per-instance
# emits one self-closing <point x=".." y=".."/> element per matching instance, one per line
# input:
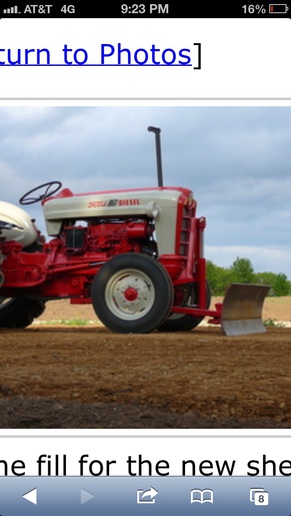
<point x="278" y="8"/>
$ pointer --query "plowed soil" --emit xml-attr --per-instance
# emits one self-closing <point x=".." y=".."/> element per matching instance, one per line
<point x="56" y="375"/>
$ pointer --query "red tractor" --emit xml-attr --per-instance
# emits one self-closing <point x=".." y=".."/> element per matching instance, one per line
<point x="136" y="255"/>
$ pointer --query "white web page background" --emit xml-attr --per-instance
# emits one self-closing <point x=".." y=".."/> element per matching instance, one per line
<point x="240" y="59"/>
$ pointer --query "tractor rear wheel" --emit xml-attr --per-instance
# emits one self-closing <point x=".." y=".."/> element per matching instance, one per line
<point x="19" y="312"/>
<point x="132" y="293"/>
<point x="185" y="322"/>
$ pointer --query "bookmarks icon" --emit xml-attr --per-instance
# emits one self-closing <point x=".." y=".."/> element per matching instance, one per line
<point x="201" y="496"/>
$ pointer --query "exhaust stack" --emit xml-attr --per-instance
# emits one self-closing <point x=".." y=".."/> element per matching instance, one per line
<point x="157" y="132"/>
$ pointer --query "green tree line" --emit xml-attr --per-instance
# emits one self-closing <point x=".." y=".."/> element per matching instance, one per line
<point x="242" y="271"/>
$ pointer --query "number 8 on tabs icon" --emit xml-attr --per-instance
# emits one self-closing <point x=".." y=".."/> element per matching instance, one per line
<point x="259" y="496"/>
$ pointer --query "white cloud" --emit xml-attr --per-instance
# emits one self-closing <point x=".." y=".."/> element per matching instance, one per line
<point x="235" y="159"/>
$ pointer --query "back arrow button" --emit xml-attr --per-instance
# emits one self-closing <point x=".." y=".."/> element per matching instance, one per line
<point x="31" y="496"/>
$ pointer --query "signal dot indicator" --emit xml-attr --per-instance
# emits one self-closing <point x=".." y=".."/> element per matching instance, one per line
<point x="11" y="10"/>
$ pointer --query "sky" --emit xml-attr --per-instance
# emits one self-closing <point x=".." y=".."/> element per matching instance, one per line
<point x="236" y="160"/>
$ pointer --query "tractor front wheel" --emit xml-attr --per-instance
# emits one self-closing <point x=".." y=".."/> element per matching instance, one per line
<point x="19" y="312"/>
<point x="132" y="293"/>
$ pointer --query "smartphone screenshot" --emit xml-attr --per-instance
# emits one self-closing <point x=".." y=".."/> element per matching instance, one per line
<point x="145" y="271"/>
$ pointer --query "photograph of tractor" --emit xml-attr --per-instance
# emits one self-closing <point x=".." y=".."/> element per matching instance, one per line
<point x="136" y="255"/>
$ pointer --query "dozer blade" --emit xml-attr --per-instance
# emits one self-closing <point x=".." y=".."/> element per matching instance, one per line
<point x="242" y="309"/>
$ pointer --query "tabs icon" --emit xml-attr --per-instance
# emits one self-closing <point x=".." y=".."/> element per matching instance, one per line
<point x="259" y="496"/>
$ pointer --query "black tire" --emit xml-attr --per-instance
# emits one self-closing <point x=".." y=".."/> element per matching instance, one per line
<point x="19" y="312"/>
<point x="185" y="322"/>
<point x="132" y="293"/>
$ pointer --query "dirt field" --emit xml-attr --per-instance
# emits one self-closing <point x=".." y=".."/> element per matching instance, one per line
<point x="65" y="376"/>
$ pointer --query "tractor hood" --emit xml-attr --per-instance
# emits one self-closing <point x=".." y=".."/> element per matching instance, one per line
<point x="113" y="204"/>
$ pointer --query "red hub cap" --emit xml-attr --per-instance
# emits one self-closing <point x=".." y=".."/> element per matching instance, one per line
<point x="130" y="294"/>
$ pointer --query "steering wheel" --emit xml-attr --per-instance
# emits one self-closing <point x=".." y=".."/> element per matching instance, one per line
<point x="50" y="189"/>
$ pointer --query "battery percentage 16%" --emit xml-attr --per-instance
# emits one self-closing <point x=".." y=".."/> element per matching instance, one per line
<point x="254" y="9"/>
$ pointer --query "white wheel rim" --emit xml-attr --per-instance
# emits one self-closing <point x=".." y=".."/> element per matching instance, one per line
<point x="130" y="294"/>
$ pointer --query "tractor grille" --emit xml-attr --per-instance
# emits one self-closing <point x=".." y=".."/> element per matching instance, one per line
<point x="185" y="233"/>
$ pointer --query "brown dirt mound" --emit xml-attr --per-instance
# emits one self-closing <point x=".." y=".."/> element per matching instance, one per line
<point x="87" y="377"/>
